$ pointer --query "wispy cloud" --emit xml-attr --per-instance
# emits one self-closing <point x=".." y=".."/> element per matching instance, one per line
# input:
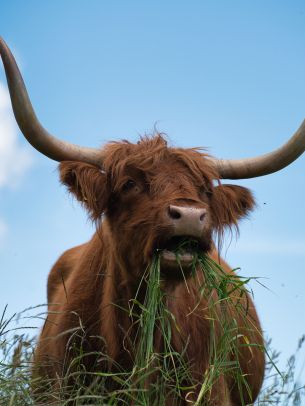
<point x="14" y="158"/>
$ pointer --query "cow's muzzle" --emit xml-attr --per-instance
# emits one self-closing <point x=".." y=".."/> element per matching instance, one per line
<point x="187" y="220"/>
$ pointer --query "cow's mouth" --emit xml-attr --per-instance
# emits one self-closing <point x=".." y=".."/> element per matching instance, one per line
<point x="179" y="252"/>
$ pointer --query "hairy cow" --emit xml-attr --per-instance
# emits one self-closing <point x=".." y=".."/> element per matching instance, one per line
<point x="146" y="198"/>
<point x="148" y="195"/>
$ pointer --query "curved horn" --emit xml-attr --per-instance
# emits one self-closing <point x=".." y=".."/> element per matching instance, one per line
<point x="29" y="125"/>
<point x="263" y="164"/>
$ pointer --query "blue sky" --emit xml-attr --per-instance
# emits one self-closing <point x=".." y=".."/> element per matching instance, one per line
<point x="226" y="75"/>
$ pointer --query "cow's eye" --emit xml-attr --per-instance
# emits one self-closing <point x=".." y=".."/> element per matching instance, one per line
<point x="205" y="192"/>
<point x="129" y="185"/>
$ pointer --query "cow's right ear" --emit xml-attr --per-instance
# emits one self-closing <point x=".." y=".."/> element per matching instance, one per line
<point x="88" y="183"/>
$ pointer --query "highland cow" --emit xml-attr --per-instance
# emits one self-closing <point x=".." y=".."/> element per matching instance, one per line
<point x="147" y="198"/>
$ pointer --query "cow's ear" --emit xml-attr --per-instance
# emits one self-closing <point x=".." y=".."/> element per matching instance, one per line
<point x="230" y="203"/>
<point x="88" y="183"/>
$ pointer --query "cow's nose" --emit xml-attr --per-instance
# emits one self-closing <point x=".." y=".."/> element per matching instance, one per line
<point x="187" y="220"/>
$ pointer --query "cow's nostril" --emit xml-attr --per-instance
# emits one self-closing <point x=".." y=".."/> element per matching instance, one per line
<point x="202" y="216"/>
<point x="173" y="213"/>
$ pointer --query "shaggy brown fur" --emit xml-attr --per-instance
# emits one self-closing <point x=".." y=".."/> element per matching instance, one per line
<point x="129" y="199"/>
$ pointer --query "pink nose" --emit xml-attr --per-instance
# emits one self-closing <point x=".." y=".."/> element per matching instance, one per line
<point x="187" y="220"/>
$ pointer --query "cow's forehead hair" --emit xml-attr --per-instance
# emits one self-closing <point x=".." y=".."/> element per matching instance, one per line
<point x="152" y="154"/>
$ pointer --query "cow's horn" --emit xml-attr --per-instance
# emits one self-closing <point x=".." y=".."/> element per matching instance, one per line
<point x="29" y="125"/>
<point x="263" y="164"/>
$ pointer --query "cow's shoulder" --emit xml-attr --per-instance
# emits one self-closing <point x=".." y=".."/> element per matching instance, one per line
<point x="62" y="269"/>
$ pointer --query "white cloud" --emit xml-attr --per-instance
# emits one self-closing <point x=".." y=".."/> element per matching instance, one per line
<point x="3" y="231"/>
<point x="14" y="158"/>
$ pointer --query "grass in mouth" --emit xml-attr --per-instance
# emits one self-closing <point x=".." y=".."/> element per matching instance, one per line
<point x="162" y="373"/>
<point x="168" y="370"/>
<point x="159" y="371"/>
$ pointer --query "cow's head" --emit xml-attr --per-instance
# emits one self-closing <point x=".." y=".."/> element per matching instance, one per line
<point x="157" y="198"/>
<point x="152" y="195"/>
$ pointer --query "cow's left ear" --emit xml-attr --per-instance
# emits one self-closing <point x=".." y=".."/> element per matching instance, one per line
<point x="88" y="184"/>
<point x="230" y="203"/>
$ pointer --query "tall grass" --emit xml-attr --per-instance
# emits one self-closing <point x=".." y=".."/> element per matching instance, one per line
<point x="288" y="387"/>
<point x="159" y="371"/>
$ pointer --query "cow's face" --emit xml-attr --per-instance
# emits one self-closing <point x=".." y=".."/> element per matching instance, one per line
<point x="157" y="198"/>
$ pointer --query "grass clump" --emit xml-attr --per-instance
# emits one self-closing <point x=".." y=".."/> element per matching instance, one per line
<point x="16" y="351"/>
